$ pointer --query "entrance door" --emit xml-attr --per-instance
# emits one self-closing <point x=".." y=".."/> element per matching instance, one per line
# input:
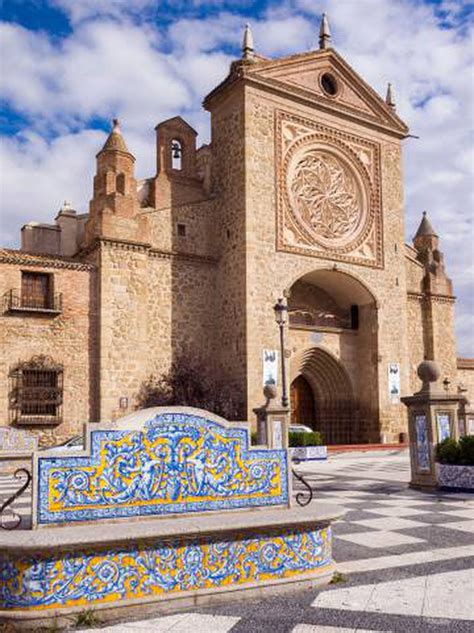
<point x="302" y="402"/>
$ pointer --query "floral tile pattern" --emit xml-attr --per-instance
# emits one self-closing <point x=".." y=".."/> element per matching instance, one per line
<point x="161" y="567"/>
<point x="178" y="463"/>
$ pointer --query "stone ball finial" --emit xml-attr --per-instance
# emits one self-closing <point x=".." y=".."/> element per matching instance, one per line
<point x="270" y="392"/>
<point x="428" y="371"/>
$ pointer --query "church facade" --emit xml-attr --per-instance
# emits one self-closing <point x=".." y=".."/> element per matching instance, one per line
<point x="299" y="194"/>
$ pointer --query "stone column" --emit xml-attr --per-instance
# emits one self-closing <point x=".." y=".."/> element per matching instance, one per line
<point x="433" y="415"/>
<point x="272" y="421"/>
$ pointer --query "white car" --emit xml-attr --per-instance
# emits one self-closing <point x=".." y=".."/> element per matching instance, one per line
<point x="73" y="444"/>
<point x="299" y="428"/>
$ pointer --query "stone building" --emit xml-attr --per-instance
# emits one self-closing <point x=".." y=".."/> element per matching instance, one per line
<point x="298" y="194"/>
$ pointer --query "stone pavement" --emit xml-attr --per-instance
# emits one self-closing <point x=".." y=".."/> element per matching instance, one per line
<point x="405" y="560"/>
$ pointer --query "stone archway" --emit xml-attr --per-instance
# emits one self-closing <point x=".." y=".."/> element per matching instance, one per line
<point x="333" y="342"/>
<point x="334" y="405"/>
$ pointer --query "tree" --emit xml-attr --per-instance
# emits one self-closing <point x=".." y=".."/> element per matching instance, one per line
<point x="189" y="383"/>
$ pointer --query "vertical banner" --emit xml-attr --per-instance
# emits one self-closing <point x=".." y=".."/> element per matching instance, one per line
<point x="270" y="367"/>
<point x="394" y="382"/>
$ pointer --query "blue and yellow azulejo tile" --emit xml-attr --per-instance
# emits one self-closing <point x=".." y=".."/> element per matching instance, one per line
<point x="177" y="463"/>
<point x="84" y="578"/>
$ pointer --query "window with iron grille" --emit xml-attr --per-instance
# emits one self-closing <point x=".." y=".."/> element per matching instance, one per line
<point x="37" y="391"/>
<point x="36" y="290"/>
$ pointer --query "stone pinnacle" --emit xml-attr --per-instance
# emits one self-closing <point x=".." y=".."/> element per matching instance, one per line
<point x="247" y="43"/>
<point x="389" y="98"/>
<point x="324" y="33"/>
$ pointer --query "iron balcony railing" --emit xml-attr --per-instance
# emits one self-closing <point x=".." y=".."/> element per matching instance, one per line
<point x="18" y="301"/>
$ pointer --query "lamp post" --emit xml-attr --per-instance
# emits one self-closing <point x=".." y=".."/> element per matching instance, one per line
<point x="281" y="315"/>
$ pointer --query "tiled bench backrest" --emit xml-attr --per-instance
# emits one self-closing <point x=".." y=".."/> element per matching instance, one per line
<point x="176" y="463"/>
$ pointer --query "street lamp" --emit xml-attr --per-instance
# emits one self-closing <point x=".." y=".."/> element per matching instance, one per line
<point x="281" y="315"/>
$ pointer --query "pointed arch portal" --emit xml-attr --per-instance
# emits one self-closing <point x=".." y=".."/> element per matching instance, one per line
<point x="322" y="397"/>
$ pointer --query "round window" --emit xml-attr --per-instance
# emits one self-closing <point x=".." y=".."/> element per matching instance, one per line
<point x="329" y="84"/>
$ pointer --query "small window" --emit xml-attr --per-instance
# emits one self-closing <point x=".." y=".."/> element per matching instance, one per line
<point x="354" y="317"/>
<point x="181" y="230"/>
<point x="37" y="391"/>
<point x="176" y="155"/>
<point x="120" y="183"/>
<point x="329" y="84"/>
<point x="36" y="290"/>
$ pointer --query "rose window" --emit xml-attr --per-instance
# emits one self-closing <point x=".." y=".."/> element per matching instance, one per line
<point x="326" y="196"/>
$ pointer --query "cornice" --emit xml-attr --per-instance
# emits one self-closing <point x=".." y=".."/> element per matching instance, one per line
<point x="24" y="258"/>
<point x="421" y="296"/>
<point x="190" y="257"/>
<point x="465" y="363"/>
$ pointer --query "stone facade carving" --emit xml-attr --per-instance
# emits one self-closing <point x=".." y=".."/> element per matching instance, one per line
<point x="325" y="196"/>
<point x="329" y="202"/>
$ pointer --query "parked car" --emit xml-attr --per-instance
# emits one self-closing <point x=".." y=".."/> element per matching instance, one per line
<point x="299" y="428"/>
<point x="73" y="444"/>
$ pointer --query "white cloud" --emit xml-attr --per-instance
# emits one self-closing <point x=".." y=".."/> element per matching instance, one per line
<point x="79" y="10"/>
<point x="120" y="61"/>
<point x="36" y="176"/>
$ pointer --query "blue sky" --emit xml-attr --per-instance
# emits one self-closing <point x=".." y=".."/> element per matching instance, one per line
<point x="68" y="66"/>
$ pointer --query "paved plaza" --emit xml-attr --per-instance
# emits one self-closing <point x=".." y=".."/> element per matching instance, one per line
<point x="405" y="560"/>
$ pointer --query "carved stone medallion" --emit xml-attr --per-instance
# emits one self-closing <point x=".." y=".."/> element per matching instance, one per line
<point x="326" y="195"/>
<point x="329" y="192"/>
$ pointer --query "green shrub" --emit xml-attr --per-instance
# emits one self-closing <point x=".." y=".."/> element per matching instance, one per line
<point x="253" y="438"/>
<point x="305" y="439"/>
<point x="466" y="446"/>
<point x="448" y="451"/>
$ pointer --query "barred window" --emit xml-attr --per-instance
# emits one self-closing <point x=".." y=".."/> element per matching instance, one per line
<point x="37" y="391"/>
<point x="36" y="290"/>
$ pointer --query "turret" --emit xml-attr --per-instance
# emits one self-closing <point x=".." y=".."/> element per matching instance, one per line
<point x="114" y="205"/>
<point x="426" y="242"/>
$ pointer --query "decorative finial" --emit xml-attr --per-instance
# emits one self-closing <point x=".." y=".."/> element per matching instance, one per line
<point x="247" y="43"/>
<point x="67" y="208"/>
<point x="390" y="99"/>
<point x="115" y="140"/>
<point x="324" y="33"/>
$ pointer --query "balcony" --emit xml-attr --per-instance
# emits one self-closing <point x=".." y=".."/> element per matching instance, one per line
<point x="17" y="301"/>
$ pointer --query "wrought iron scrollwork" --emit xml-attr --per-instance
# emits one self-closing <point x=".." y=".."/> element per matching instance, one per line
<point x="18" y="474"/>
<point x="300" y="497"/>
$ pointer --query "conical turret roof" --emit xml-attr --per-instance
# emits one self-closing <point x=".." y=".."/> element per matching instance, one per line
<point x="425" y="229"/>
<point x="115" y="141"/>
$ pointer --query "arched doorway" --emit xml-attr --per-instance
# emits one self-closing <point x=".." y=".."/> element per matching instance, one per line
<point x="302" y="402"/>
<point x="333" y="339"/>
<point x="325" y="393"/>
